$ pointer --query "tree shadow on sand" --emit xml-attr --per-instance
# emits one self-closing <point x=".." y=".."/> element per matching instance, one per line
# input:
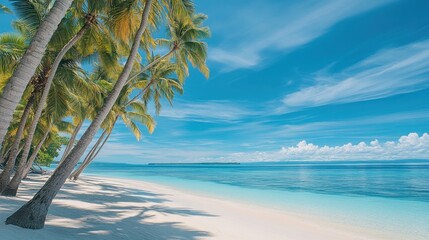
<point x="110" y="212"/>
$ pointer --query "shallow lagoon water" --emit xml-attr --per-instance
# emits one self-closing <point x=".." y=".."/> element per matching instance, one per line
<point x="390" y="196"/>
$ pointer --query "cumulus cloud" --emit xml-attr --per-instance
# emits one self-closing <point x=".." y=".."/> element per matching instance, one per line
<point x="411" y="146"/>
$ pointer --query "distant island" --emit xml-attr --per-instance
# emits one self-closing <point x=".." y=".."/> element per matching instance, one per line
<point x="198" y="163"/>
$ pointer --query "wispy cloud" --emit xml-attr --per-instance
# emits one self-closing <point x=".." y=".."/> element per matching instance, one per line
<point x="208" y="111"/>
<point x="137" y="153"/>
<point x="281" y="130"/>
<point x="411" y="146"/>
<point x="355" y="125"/>
<point x="389" y="72"/>
<point x="281" y="26"/>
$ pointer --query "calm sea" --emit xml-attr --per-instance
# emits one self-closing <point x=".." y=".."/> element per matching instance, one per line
<point x="388" y="196"/>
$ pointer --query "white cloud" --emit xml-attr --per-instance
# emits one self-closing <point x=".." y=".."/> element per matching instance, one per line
<point x="266" y="130"/>
<point x="209" y="111"/>
<point x="411" y="146"/>
<point x="407" y="147"/>
<point x="389" y="72"/>
<point x="282" y="26"/>
<point x="235" y="60"/>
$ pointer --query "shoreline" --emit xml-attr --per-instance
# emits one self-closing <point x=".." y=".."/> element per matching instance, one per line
<point x="112" y="208"/>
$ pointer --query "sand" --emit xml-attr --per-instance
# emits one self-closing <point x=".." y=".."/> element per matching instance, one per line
<point x="107" y="208"/>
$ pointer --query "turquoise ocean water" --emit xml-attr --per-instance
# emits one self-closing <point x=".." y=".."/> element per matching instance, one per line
<point x="390" y="196"/>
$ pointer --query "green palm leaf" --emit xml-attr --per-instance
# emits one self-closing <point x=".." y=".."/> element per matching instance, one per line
<point x="4" y="9"/>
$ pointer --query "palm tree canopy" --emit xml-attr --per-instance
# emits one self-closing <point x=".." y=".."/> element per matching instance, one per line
<point x="12" y="46"/>
<point x="185" y="38"/>
<point x="158" y="83"/>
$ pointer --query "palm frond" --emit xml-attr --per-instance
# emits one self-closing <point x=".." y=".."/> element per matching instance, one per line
<point x="4" y="9"/>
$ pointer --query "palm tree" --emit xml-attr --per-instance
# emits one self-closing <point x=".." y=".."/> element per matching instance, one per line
<point x="32" y="11"/>
<point x="14" y="150"/>
<point x="33" y="213"/>
<point x="26" y="27"/>
<point x="36" y="85"/>
<point x="32" y="158"/>
<point x="130" y="113"/>
<point x="42" y="102"/>
<point x="13" y="129"/>
<point x="158" y="83"/>
<point x="31" y="59"/>
<point x="11" y="52"/>
<point x="184" y="44"/>
<point x="68" y="73"/>
<point x="87" y="99"/>
<point x="105" y="49"/>
<point x="46" y="126"/>
<point x="47" y="131"/>
<point x="12" y="46"/>
<point x="90" y="19"/>
<point x="58" y="105"/>
<point x="79" y="115"/>
<point x="91" y="154"/>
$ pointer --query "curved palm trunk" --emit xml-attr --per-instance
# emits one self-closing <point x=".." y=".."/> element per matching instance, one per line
<point x="139" y="94"/>
<point x="33" y="213"/>
<point x="34" y="155"/>
<point x="144" y="70"/>
<point x="12" y="187"/>
<point x="7" y="171"/>
<point x="151" y="64"/>
<point x="93" y="156"/>
<point x="26" y="68"/>
<point x="75" y="175"/>
<point x="46" y="89"/>
<point x="4" y="155"/>
<point x="89" y="155"/>
<point x="71" y="142"/>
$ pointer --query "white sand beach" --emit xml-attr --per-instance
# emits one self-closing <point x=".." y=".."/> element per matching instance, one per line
<point x="107" y="208"/>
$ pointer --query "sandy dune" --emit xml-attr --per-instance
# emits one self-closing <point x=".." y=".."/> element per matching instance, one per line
<point x="103" y="208"/>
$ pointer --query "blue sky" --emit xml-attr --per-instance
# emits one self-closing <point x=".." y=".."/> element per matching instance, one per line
<point x="298" y="80"/>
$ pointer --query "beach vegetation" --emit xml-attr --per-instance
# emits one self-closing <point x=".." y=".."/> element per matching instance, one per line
<point x="86" y="62"/>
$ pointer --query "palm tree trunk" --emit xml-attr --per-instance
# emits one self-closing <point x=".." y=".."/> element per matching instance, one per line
<point x="33" y="213"/>
<point x="12" y="187"/>
<point x="75" y="175"/>
<point x="7" y="171"/>
<point x="95" y="154"/>
<point x="144" y="70"/>
<point x="4" y="155"/>
<point x="26" y="68"/>
<point x="71" y="142"/>
<point x="45" y="93"/>
<point x="77" y="172"/>
<point x="139" y="94"/>
<point x="88" y="156"/>
<point x="152" y="64"/>
<point x="34" y="154"/>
